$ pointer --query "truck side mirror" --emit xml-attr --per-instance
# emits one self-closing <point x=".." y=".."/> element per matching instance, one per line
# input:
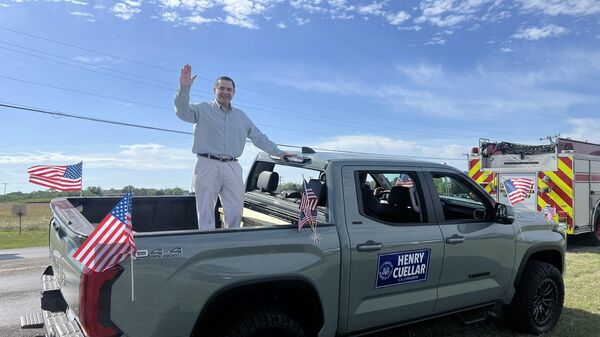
<point x="504" y="214"/>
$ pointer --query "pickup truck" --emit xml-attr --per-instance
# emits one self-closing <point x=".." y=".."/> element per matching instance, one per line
<point x="399" y="241"/>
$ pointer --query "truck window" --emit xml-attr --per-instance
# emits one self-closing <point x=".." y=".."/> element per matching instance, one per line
<point x="390" y="197"/>
<point x="459" y="200"/>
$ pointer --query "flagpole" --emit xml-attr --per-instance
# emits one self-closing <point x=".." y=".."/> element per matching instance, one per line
<point x="81" y="190"/>
<point x="132" y="284"/>
<point x="131" y="257"/>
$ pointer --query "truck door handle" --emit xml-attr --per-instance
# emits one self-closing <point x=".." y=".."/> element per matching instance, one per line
<point x="455" y="239"/>
<point x="369" y="246"/>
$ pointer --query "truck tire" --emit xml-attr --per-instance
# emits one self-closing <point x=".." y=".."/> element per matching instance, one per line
<point x="595" y="234"/>
<point x="265" y="323"/>
<point x="538" y="301"/>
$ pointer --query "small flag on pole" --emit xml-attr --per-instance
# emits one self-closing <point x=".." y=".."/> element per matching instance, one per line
<point x="61" y="178"/>
<point x="517" y="189"/>
<point x="308" y="211"/>
<point x="308" y="207"/>
<point x="112" y="240"/>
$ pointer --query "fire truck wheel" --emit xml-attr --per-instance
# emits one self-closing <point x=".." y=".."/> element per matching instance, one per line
<point x="595" y="234"/>
<point x="538" y="301"/>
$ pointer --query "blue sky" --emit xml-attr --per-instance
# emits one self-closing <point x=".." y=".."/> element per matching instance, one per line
<point x="413" y="78"/>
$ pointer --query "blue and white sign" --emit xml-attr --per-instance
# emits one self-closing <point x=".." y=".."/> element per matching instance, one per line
<point x="402" y="267"/>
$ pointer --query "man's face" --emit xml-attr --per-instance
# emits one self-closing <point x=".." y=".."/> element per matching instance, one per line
<point x="224" y="92"/>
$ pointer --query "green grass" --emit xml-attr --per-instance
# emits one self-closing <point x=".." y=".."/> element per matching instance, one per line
<point x="34" y="225"/>
<point x="28" y="238"/>
<point x="37" y="216"/>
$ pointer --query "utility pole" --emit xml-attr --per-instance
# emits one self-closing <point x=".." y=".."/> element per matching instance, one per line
<point x="4" y="188"/>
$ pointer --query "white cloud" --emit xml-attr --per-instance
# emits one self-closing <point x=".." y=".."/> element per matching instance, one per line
<point x="302" y="21"/>
<point x="563" y="7"/>
<point x="281" y="25"/>
<point x="4" y="5"/>
<point x="136" y="157"/>
<point x="375" y="8"/>
<point x="241" y="12"/>
<point x="506" y="50"/>
<point x="584" y="129"/>
<point x="244" y="22"/>
<point x="95" y="59"/>
<point x="127" y="9"/>
<point x="537" y="33"/>
<point x="436" y="40"/>
<point x="489" y="89"/>
<point x="84" y="15"/>
<point x="421" y="73"/>
<point x="311" y="6"/>
<point x="169" y="16"/>
<point x="170" y="3"/>
<point x="197" y="19"/>
<point x="451" y="13"/>
<point x="398" y="18"/>
<point x="397" y="148"/>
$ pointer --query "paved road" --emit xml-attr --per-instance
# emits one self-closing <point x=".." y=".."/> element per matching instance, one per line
<point x="20" y="272"/>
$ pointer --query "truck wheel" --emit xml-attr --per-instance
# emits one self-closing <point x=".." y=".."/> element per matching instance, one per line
<point x="538" y="301"/>
<point x="266" y="323"/>
<point x="595" y="234"/>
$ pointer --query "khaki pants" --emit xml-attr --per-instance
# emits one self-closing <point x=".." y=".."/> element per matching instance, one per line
<point x="212" y="179"/>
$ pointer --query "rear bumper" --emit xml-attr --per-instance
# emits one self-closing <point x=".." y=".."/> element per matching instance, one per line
<point x="55" y="317"/>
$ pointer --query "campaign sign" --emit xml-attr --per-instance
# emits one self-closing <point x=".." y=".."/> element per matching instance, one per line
<point x="402" y="267"/>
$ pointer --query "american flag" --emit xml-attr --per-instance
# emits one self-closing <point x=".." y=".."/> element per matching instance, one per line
<point x="517" y="189"/>
<point x="112" y="240"/>
<point x="61" y="178"/>
<point x="405" y="181"/>
<point x="308" y="207"/>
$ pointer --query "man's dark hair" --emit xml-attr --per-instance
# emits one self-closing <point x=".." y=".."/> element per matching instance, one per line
<point x="224" y="78"/>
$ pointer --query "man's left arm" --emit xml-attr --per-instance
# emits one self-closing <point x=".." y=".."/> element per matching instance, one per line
<point x="263" y="142"/>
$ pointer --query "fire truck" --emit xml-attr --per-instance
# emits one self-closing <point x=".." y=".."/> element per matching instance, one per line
<point x="565" y="179"/>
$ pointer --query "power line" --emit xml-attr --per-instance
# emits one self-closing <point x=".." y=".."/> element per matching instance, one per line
<point x="106" y="121"/>
<point x="62" y="114"/>
<point x="295" y="114"/>
<point x="82" y="92"/>
<point x="298" y="116"/>
<point x="361" y="113"/>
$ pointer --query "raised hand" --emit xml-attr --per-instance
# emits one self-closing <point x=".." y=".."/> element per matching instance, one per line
<point x="186" y="79"/>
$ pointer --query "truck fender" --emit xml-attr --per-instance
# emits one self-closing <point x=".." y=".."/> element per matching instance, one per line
<point x="543" y="252"/>
<point x="295" y="294"/>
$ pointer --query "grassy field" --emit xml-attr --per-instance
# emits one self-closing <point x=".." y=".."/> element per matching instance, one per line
<point x="34" y="225"/>
<point x="580" y="318"/>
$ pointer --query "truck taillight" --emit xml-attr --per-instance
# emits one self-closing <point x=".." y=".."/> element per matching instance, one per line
<point x="562" y="218"/>
<point x="94" y="302"/>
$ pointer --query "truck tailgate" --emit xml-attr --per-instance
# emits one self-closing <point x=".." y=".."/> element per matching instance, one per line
<point x="68" y="230"/>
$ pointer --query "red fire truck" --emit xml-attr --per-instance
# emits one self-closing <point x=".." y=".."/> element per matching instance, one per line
<point x="565" y="177"/>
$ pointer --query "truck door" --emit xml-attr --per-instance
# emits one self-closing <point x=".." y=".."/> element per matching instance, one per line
<point x="479" y="252"/>
<point x="396" y="246"/>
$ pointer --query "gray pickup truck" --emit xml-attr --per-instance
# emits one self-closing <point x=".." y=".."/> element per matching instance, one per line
<point x="400" y="241"/>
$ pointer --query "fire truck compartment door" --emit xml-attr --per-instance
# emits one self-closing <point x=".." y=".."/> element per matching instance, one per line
<point x="530" y="201"/>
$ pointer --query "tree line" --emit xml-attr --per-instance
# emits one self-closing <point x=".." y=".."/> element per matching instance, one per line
<point x="90" y="192"/>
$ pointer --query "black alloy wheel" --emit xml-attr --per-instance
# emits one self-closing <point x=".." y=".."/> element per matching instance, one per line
<point x="545" y="302"/>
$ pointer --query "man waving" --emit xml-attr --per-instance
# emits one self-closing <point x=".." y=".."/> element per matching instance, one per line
<point x="220" y="132"/>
